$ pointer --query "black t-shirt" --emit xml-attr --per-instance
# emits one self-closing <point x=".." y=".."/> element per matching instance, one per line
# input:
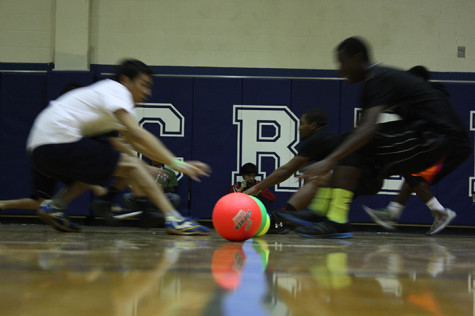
<point x="319" y="145"/>
<point x="411" y="98"/>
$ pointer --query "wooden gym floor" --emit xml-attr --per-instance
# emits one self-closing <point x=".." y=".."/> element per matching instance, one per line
<point x="134" y="271"/>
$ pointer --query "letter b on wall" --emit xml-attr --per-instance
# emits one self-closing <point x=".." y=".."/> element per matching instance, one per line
<point x="266" y="132"/>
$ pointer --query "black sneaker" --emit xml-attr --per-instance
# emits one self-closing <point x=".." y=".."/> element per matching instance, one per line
<point x="103" y="208"/>
<point x="149" y="215"/>
<point x="277" y="226"/>
<point x="325" y="229"/>
<point x="303" y="217"/>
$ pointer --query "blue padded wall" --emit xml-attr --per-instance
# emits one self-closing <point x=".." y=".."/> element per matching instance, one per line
<point x="210" y="118"/>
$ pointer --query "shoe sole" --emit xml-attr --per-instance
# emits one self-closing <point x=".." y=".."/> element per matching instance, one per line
<point x="451" y="216"/>
<point x="179" y="232"/>
<point x="128" y="215"/>
<point x="376" y="219"/>
<point x="295" y="221"/>
<point x="46" y="218"/>
<point x="335" y="235"/>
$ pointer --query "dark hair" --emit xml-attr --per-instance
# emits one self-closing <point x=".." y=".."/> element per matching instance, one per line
<point x="316" y="115"/>
<point x="70" y="86"/>
<point x="420" y="71"/>
<point x="131" y="68"/>
<point x="248" y="168"/>
<point x="354" y="46"/>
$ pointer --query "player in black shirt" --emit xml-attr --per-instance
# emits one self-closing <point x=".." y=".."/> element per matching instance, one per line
<point x="420" y="182"/>
<point x="425" y="134"/>
<point x="317" y="143"/>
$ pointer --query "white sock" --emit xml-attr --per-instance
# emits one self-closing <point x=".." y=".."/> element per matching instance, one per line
<point x="175" y="215"/>
<point x="395" y="209"/>
<point x="434" y="205"/>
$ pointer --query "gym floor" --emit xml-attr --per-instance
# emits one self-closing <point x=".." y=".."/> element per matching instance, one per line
<point x="135" y="271"/>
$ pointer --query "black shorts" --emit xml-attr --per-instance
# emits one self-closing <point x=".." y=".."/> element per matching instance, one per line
<point x="43" y="186"/>
<point x="458" y="151"/>
<point x="398" y="149"/>
<point x="88" y="160"/>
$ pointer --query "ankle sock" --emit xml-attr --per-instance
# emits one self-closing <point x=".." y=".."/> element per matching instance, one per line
<point x="321" y="201"/>
<point x="174" y="215"/>
<point x="434" y="205"/>
<point x="395" y="209"/>
<point x="340" y="205"/>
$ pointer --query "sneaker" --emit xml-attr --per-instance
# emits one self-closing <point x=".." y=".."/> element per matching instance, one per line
<point x="277" y="226"/>
<point x="184" y="227"/>
<point x="103" y="208"/>
<point x="148" y="215"/>
<point x="382" y="217"/>
<point x="303" y="217"/>
<point x="56" y="217"/>
<point x="126" y="214"/>
<point x="325" y="229"/>
<point x="440" y="221"/>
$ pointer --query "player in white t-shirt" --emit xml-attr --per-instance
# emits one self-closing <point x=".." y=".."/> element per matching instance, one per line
<point x="59" y="147"/>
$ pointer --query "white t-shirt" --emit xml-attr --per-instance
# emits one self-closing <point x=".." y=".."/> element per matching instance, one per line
<point x="86" y="111"/>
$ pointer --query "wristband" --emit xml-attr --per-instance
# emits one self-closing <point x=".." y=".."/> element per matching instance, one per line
<point x="177" y="163"/>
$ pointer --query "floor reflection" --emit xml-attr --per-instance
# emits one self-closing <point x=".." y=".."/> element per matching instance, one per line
<point x="107" y="271"/>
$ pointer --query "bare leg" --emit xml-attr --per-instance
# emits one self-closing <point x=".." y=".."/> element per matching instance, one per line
<point x="98" y="190"/>
<point x="423" y="191"/>
<point x="70" y="192"/>
<point x="304" y="195"/>
<point x="22" y="204"/>
<point x="404" y="193"/>
<point x="345" y="177"/>
<point x="139" y="177"/>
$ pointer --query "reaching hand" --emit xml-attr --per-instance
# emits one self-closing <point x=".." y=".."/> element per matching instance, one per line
<point x="195" y="169"/>
<point x="242" y="186"/>
<point x="253" y="190"/>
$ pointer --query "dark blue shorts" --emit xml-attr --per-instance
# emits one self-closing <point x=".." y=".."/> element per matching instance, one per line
<point x="89" y="160"/>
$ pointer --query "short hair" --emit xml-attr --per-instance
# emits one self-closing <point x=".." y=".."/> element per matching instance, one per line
<point x="131" y="68"/>
<point x="353" y="46"/>
<point x="316" y="116"/>
<point x="420" y="71"/>
<point x="248" y="168"/>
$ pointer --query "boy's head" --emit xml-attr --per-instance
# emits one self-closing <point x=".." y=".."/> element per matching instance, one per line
<point x="136" y="77"/>
<point x="420" y="71"/>
<point x="249" y="171"/>
<point x="310" y="121"/>
<point x="353" y="59"/>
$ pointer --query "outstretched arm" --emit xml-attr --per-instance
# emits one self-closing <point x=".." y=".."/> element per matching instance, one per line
<point x="360" y="136"/>
<point x="147" y="144"/>
<point x="280" y="174"/>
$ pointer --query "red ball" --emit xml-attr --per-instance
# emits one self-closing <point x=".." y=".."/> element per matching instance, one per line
<point x="237" y="217"/>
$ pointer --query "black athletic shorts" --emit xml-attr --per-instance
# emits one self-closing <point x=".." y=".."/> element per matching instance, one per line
<point x="88" y="160"/>
<point x="458" y="151"/>
<point x="399" y="149"/>
<point x="43" y="186"/>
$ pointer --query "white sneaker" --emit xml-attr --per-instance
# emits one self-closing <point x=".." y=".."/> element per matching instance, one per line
<point x="382" y="217"/>
<point x="440" y="221"/>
